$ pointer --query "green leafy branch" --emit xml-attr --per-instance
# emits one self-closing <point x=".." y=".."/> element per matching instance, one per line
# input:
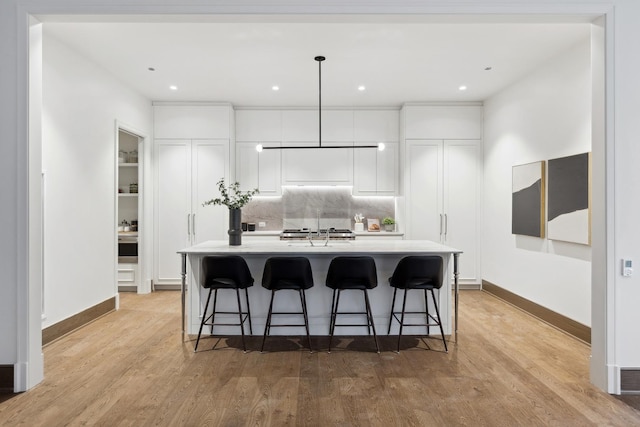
<point x="231" y="197"/>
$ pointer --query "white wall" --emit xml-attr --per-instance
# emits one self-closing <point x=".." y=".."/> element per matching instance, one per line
<point x="81" y="103"/>
<point x="545" y="115"/>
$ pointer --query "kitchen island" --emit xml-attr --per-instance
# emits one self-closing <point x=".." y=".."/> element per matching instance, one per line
<point x="386" y="254"/>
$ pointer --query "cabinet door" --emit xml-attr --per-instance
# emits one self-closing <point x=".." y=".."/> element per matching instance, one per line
<point x="462" y="185"/>
<point x="387" y="170"/>
<point x="365" y="174"/>
<point x="320" y="166"/>
<point x="259" y="125"/>
<point x="209" y="165"/>
<point x="300" y="125"/>
<point x="258" y="170"/>
<point x="172" y="207"/>
<point x="424" y="188"/>
<point x="376" y="125"/>
<point x="247" y="158"/>
<point x="375" y="171"/>
<point x="192" y="121"/>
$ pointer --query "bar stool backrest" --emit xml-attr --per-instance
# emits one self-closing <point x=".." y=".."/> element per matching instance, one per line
<point x="351" y="272"/>
<point x="287" y="273"/>
<point x="418" y="269"/>
<point x="225" y="271"/>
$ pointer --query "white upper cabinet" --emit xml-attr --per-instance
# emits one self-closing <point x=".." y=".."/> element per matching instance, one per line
<point x="300" y="125"/>
<point x="375" y="172"/>
<point x="315" y="166"/>
<point x="258" y="170"/>
<point x="376" y="125"/>
<point x="259" y="125"/>
<point x="337" y="125"/>
<point x="192" y="121"/>
<point x="443" y="121"/>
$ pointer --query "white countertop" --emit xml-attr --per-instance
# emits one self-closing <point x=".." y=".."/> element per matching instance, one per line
<point x="334" y="247"/>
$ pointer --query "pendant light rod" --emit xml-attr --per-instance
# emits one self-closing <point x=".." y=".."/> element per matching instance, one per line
<point x="320" y="59"/>
<point x="379" y="146"/>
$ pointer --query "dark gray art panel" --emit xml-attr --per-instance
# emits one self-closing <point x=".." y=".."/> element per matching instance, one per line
<point x="527" y="200"/>
<point x="568" y="199"/>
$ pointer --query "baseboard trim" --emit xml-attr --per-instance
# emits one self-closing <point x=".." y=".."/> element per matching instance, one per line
<point x="77" y="321"/>
<point x="6" y="379"/>
<point x="570" y="326"/>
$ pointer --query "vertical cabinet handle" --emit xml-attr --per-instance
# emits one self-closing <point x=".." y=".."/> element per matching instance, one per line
<point x="440" y="225"/>
<point x="193" y="225"/>
<point x="446" y="226"/>
<point x="189" y="225"/>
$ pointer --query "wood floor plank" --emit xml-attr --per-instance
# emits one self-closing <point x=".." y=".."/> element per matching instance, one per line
<point x="131" y="368"/>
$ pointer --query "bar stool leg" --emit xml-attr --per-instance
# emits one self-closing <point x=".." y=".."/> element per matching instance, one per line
<point x="334" y="315"/>
<point x="246" y="294"/>
<point x="213" y="313"/>
<point x="303" y="300"/>
<point x="244" y="347"/>
<point x="393" y="303"/>
<point x="268" y="325"/>
<point x="370" y="319"/>
<point x="426" y="309"/>
<point x="439" y="321"/>
<point x="404" y="305"/>
<point x="204" y="319"/>
<point x="332" y="318"/>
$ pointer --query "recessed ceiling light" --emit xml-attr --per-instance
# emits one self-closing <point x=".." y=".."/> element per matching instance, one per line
<point x="275" y="88"/>
<point x="172" y="87"/>
<point x="361" y="88"/>
<point x="151" y="69"/>
<point x="463" y="87"/>
<point x="488" y="68"/>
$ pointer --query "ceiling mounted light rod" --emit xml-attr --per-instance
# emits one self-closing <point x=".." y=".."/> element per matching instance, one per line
<point x="379" y="146"/>
<point x="320" y="59"/>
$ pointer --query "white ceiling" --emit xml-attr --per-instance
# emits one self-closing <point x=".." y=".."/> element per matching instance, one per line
<point x="398" y="61"/>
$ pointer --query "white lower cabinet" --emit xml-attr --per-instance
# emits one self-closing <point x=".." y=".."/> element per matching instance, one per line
<point x="186" y="174"/>
<point x="442" y="187"/>
<point x="128" y="277"/>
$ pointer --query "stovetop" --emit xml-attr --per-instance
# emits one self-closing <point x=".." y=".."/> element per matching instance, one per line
<point x="304" y="233"/>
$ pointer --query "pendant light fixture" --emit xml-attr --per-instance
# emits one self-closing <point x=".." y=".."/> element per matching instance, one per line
<point x="379" y="146"/>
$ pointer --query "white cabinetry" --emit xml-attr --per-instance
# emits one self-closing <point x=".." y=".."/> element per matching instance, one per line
<point x="442" y="188"/>
<point x="253" y="169"/>
<point x="317" y="166"/>
<point x="375" y="172"/>
<point x="442" y="122"/>
<point x="258" y="170"/>
<point x="191" y="154"/>
<point x="192" y="121"/>
<point x="186" y="175"/>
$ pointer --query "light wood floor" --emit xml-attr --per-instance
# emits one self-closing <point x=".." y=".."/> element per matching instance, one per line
<point x="130" y="368"/>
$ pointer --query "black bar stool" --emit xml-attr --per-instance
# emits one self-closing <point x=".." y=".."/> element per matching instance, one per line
<point x="417" y="272"/>
<point x="352" y="273"/>
<point x="226" y="272"/>
<point x="282" y="273"/>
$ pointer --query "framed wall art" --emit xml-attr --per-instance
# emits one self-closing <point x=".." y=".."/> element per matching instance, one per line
<point x="528" y="199"/>
<point x="569" y="199"/>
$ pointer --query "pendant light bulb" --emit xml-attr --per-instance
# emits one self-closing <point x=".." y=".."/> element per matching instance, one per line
<point x="259" y="148"/>
<point x="381" y="146"/>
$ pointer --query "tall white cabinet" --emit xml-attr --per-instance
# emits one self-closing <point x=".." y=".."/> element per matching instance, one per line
<point x="442" y="180"/>
<point x="191" y="154"/>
